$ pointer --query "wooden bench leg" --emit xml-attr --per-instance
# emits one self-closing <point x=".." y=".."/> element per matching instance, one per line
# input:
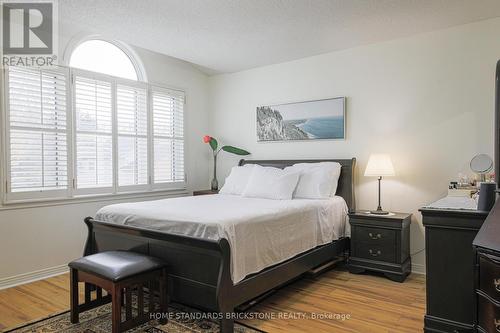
<point x="128" y="303"/>
<point x="116" y="314"/>
<point x="163" y="296"/>
<point x="73" y="291"/>
<point x="227" y="321"/>
<point x="140" y="300"/>
<point x="226" y="325"/>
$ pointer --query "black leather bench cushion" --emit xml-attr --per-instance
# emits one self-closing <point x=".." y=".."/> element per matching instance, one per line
<point x="117" y="265"/>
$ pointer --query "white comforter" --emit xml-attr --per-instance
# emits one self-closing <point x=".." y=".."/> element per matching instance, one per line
<point x="260" y="232"/>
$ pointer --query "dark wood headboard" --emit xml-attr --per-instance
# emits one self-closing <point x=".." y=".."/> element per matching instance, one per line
<point x="345" y="187"/>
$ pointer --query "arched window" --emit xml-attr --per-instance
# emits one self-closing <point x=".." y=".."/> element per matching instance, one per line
<point x="105" y="57"/>
<point x="125" y="135"/>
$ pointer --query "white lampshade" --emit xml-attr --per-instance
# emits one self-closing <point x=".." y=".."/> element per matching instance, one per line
<point x="379" y="165"/>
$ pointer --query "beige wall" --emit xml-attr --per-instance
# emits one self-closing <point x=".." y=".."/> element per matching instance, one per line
<point x="426" y="100"/>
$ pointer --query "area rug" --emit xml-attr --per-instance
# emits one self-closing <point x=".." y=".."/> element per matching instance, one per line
<point x="98" y="320"/>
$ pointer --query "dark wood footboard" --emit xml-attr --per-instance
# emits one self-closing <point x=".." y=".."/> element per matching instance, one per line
<point x="196" y="266"/>
<point x="199" y="269"/>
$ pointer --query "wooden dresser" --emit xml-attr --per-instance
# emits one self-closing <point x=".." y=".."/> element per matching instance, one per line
<point x="487" y="274"/>
<point x="449" y="264"/>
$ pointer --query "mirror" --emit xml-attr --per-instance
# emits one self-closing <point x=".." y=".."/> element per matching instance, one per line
<point x="481" y="164"/>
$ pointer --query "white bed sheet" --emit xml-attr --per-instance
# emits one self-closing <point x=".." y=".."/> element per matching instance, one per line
<point x="260" y="232"/>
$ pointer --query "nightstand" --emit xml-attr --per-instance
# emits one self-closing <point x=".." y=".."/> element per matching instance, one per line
<point x="380" y="243"/>
<point x="205" y="192"/>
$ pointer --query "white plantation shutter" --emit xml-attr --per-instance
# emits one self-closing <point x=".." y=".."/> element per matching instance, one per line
<point x="37" y="147"/>
<point x="132" y="118"/>
<point x="168" y="136"/>
<point x="94" y="130"/>
<point x="71" y="132"/>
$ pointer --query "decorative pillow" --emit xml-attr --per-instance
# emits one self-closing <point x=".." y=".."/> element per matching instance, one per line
<point x="317" y="180"/>
<point x="237" y="180"/>
<point x="271" y="183"/>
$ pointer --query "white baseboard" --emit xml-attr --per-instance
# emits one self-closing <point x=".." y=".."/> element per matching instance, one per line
<point x="16" y="280"/>
<point x="418" y="269"/>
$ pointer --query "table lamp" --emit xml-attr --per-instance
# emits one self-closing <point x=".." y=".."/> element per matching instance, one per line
<point x="379" y="165"/>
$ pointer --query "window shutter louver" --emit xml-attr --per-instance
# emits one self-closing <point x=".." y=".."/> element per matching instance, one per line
<point x="37" y="126"/>
<point x="71" y="132"/>
<point x="132" y="115"/>
<point x="94" y="142"/>
<point x="168" y="136"/>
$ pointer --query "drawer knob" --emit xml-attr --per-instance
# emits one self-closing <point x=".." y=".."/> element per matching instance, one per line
<point x="374" y="253"/>
<point x="372" y="236"/>
<point x="496" y="282"/>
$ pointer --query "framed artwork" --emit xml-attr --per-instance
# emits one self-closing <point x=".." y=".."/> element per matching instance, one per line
<point x="311" y="120"/>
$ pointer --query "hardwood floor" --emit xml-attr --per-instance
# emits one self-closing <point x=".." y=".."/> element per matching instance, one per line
<point x="373" y="303"/>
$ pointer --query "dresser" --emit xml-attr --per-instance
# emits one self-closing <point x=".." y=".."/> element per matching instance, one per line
<point x="487" y="274"/>
<point x="380" y="243"/>
<point x="449" y="266"/>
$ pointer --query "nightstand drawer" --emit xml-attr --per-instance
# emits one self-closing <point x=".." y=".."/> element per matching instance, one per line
<point x="374" y="235"/>
<point x="488" y="315"/>
<point x="383" y="252"/>
<point x="489" y="276"/>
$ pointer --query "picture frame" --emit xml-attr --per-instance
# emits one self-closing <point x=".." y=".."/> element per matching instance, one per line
<point x="322" y="119"/>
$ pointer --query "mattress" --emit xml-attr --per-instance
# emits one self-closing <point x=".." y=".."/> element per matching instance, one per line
<point x="260" y="232"/>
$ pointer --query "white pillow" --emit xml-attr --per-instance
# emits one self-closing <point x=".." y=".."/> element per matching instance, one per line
<point x="271" y="183"/>
<point x="317" y="180"/>
<point x="237" y="180"/>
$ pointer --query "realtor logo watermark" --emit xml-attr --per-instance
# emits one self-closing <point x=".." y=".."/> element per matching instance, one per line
<point x="29" y="33"/>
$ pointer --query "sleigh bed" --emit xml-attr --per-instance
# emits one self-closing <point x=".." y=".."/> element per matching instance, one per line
<point x="200" y="269"/>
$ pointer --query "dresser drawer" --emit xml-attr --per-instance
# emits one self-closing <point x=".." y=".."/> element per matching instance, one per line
<point x="488" y="315"/>
<point x="380" y="252"/>
<point x="489" y="276"/>
<point x="374" y="235"/>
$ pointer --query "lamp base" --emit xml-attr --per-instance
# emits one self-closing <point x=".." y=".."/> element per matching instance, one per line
<point x="379" y="212"/>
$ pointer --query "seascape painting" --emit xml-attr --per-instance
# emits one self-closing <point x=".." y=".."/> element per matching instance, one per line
<point x="312" y="120"/>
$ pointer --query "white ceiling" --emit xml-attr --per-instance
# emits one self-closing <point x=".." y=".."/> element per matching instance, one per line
<point x="232" y="35"/>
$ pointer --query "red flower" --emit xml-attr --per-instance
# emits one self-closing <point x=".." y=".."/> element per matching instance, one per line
<point x="207" y="138"/>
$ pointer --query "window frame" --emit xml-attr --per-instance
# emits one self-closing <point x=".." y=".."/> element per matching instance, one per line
<point x="8" y="195"/>
<point x="72" y="192"/>
<point x="100" y="77"/>
<point x="173" y="184"/>
<point x="149" y="123"/>
<point x="74" y="43"/>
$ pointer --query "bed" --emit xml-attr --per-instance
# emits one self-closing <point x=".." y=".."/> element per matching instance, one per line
<point x="210" y="266"/>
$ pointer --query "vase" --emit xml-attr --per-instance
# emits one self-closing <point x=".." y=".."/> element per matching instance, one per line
<point x="215" y="183"/>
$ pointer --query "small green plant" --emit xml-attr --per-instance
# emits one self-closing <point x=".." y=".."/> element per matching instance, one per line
<point x="212" y="142"/>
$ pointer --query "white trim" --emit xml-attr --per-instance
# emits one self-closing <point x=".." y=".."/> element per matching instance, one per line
<point x="3" y="135"/>
<point x="114" y="136"/>
<point x="418" y="269"/>
<point x="165" y="193"/>
<point x="71" y="145"/>
<point x="41" y="274"/>
<point x="129" y="52"/>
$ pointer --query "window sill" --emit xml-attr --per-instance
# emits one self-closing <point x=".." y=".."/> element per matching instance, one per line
<point x="92" y="198"/>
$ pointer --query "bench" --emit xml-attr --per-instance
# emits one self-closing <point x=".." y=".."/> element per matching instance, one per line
<point x="119" y="273"/>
